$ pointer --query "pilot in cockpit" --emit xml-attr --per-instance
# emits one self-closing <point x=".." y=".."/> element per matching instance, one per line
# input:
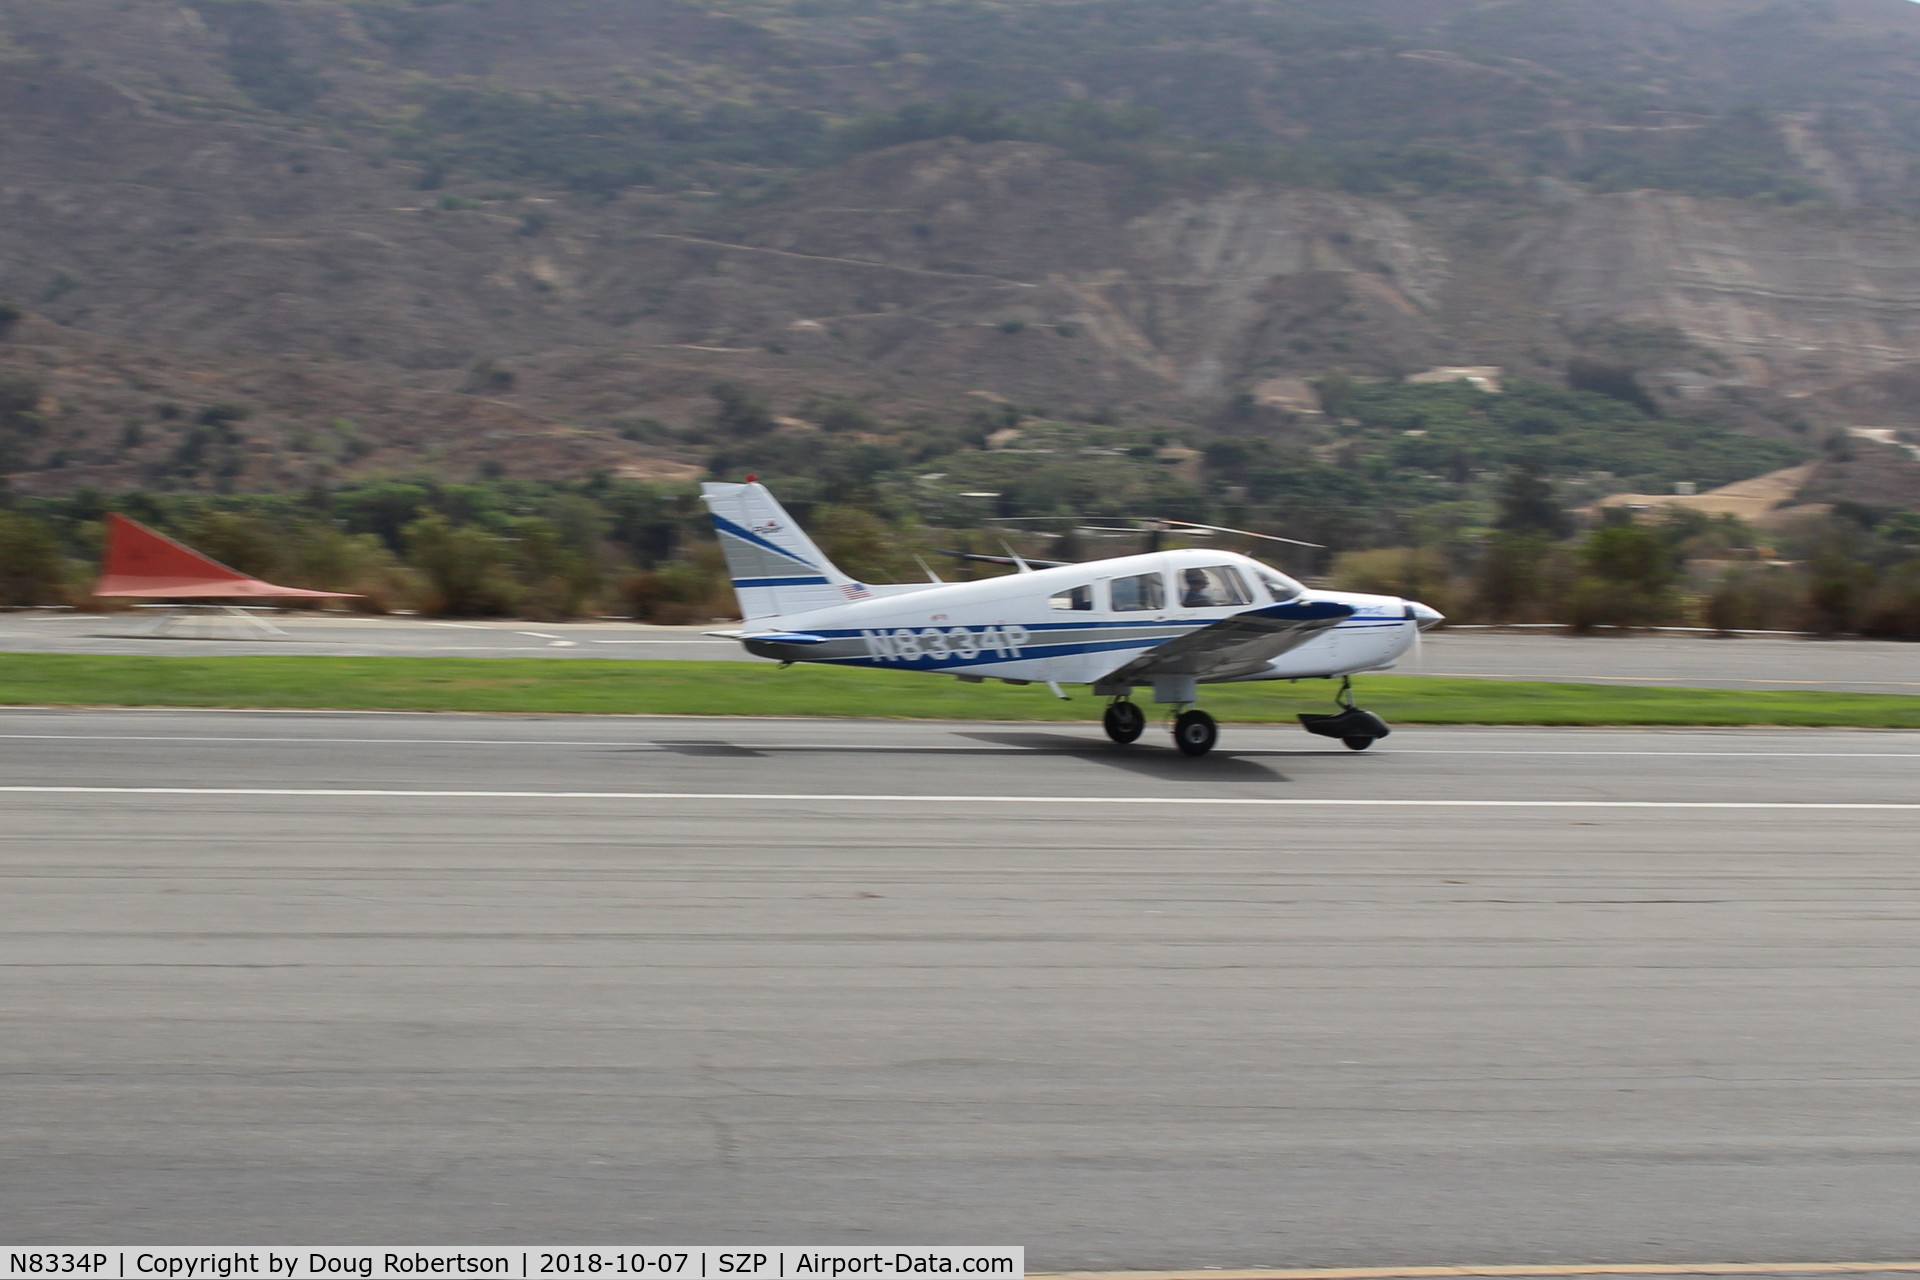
<point x="1199" y="591"/>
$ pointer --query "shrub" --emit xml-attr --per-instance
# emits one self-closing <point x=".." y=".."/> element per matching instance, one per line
<point x="19" y="423"/>
<point x="327" y="559"/>
<point x="1607" y="378"/>
<point x="1891" y="607"/>
<point x="739" y="412"/>
<point x="1627" y="580"/>
<point x="684" y="592"/>
<point x="1517" y="579"/>
<point x="1752" y="598"/>
<point x="843" y="416"/>
<point x="251" y="544"/>
<point x="32" y="568"/>
<point x="1413" y="573"/>
<point x="465" y="568"/>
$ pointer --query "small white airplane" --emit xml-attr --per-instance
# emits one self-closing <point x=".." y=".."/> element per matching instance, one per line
<point x="1169" y="621"/>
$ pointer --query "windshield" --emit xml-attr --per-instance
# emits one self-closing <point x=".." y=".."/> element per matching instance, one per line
<point x="1212" y="587"/>
<point x="1279" y="585"/>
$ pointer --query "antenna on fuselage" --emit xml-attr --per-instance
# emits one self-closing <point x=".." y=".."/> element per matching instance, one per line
<point x="1015" y="556"/>
<point x="928" y="570"/>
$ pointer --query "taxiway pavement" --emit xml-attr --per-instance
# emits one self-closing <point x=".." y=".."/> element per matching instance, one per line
<point x="361" y="978"/>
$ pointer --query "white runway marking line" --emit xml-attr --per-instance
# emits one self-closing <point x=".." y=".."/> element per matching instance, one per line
<point x="830" y="797"/>
<point x="884" y="746"/>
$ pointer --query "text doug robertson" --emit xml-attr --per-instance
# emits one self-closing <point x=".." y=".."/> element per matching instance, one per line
<point x="225" y="1266"/>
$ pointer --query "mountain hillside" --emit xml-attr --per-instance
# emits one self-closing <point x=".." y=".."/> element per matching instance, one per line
<point x="530" y="237"/>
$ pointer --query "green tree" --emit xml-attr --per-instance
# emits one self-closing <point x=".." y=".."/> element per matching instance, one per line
<point x="1514" y="583"/>
<point x="1627" y="580"/>
<point x="1336" y="394"/>
<point x="329" y="559"/>
<point x="32" y="568"/>
<point x="1903" y="529"/>
<point x="1609" y="378"/>
<point x="249" y="543"/>
<point x="557" y="579"/>
<point x="20" y="423"/>
<point x="465" y="567"/>
<point x="1838" y="579"/>
<point x="739" y="412"/>
<point x="1752" y="598"/>
<point x="1527" y="505"/>
<point x="865" y="545"/>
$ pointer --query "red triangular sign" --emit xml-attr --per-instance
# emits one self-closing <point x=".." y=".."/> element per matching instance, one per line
<point x="140" y="562"/>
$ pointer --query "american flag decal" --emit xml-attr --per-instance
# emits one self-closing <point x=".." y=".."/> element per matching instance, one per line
<point x="855" y="591"/>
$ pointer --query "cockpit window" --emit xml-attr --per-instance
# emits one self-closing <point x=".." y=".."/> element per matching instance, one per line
<point x="1075" y="598"/>
<point x="1279" y="585"/>
<point x="1212" y="588"/>
<point x="1144" y="591"/>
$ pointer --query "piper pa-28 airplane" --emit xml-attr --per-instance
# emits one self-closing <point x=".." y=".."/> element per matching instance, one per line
<point x="1168" y="621"/>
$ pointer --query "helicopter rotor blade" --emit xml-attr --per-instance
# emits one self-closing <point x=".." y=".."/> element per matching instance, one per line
<point x="1156" y="524"/>
<point x="1245" y="533"/>
<point x="976" y="558"/>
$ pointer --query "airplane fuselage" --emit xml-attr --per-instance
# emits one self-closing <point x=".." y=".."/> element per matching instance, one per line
<point x="1076" y="623"/>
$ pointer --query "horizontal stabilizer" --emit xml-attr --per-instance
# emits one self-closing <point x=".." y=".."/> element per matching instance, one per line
<point x="786" y="637"/>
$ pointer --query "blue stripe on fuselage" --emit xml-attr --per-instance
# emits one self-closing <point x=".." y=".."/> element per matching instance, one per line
<point x="1033" y="648"/>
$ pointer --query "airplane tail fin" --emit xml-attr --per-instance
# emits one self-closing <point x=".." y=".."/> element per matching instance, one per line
<point x="776" y="568"/>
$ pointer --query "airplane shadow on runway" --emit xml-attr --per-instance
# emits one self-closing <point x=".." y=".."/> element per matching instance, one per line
<point x="1162" y="765"/>
<point x="1155" y="762"/>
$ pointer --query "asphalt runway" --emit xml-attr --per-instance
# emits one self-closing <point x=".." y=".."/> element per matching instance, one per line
<point x="1477" y="997"/>
<point x="1700" y="661"/>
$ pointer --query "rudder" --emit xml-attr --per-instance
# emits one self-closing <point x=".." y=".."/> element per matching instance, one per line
<point x="775" y="567"/>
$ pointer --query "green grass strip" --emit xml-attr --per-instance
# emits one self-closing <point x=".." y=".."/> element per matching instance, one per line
<point x="592" y="687"/>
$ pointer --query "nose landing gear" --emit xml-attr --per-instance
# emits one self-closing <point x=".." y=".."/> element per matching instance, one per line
<point x="1357" y="729"/>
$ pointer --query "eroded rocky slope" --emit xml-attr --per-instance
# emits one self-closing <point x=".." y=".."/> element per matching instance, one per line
<point x="218" y="188"/>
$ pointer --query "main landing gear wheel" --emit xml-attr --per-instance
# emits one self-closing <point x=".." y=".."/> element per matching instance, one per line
<point x="1124" y="722"/>
<point x="1195" y="733"/>
<point x="1357" y="742"/>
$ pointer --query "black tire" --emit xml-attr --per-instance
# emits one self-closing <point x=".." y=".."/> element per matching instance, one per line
<point x="1195" y="733"/>
<point x="1358" y="742"/>
<point x="1124" y="722"/>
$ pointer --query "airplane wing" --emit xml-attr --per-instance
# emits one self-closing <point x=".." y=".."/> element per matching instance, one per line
<point x="1237" y="646"/>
